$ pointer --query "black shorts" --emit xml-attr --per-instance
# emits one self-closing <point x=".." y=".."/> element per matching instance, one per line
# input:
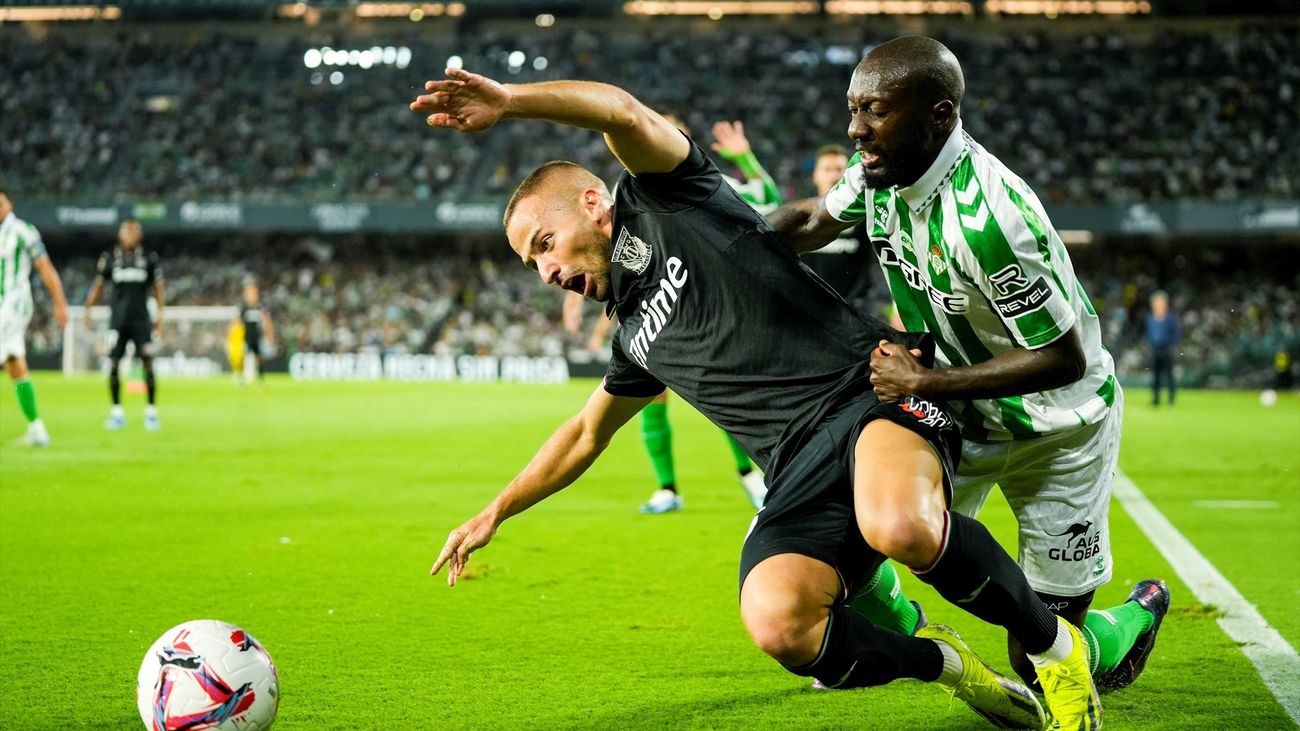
<point x="809" y="507"/>
<point x="253" y="343"/>
<point x="137" y="332"/>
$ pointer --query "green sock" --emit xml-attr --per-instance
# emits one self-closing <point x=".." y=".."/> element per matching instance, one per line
<point x="26" y="398"/>
<point x="1110" y="634"/>
<point x="658" y="436"/>
<point x="743" y="463"/>
<point x="882" y="601"/>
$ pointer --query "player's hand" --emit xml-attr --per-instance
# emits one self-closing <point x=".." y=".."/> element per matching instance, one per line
<point x="463" y="101"/>
<point x="157" y="327"/>
<point x="61" y="315"/>
<point x="571" y="313"/>
<point x="463" y="541"/>
<point x="895" y="371"/>
<point x="730" y="140"/>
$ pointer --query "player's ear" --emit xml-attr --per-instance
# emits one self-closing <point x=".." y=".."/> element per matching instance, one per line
<point x="593" y="204"/>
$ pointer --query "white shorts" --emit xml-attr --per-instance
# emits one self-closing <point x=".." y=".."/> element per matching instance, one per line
<point x="1059" y="488"/>
<point x="14" y="317"/>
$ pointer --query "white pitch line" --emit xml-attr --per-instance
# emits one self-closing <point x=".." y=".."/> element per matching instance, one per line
<point x="1236" y="504"/>
<point x="1275" y="659"/>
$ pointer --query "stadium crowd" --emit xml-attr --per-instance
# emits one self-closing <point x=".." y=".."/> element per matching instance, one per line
<point x="219" y="114"/>
<point x="461" y="304"/>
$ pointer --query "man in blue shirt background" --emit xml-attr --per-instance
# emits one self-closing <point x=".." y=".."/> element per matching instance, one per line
<point x="1163" y="336"/>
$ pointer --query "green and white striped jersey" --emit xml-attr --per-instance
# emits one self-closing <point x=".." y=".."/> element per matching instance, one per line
<point x="761" y="194"/>
<point x="970" y="256"/>
<point x="20" y="245"/>
<point x="758" y="189"/>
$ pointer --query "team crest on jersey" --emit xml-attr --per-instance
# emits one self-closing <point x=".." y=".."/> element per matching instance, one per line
<point x="631" y="252"/>
<point x="938" y="264"/>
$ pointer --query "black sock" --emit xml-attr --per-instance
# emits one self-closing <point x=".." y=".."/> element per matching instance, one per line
<point x="856" y="654"/>
<point x="973" y="572"/>
<point x="150" y="385"/>
<point x="114" y="385"/>
<point x="670" y="487"/>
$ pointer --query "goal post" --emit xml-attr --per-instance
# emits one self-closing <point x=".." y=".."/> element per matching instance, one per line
<point x="192" y="343"/>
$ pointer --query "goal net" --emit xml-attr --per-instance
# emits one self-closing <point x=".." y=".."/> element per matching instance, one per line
<point x="192" y="342"/>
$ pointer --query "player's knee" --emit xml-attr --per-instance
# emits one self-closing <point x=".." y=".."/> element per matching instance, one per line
<point x="911" y="536"/>
<point x="784" y="616"/>
<point x="783" y="627"/>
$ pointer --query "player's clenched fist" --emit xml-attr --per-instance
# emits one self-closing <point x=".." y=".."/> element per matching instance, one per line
<point x="463" y="541"/>
<point x="464" y="101"/>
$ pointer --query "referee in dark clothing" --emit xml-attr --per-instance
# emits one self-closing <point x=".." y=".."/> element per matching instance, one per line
<point x="1162" y="335"/>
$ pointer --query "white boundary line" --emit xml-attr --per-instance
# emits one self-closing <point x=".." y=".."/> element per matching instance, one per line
<point x="1275" y="659"/>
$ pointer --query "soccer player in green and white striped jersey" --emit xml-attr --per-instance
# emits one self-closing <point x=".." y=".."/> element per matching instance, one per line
<point x="21" y="249"/>
<point x="970" y="256"/>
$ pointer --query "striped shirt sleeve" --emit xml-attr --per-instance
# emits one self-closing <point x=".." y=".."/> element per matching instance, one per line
<point x="1009" y="260"/>
<point x="847" y="201"/>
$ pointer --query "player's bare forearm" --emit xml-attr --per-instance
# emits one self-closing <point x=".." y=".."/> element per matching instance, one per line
<point x="1013" y="373"/>
<point x="561" y="460"/>
<point x="159" y="299"/>
<point x="92" y="297"/>
<point x="805" y="224"/>
<point x="53" y="285"/>
<point x="641" y="139"/>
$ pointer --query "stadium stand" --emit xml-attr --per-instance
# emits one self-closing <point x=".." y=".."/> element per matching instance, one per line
<point x="222" y="113"/>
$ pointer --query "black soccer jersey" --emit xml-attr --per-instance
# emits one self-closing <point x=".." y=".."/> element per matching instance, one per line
<point x="712" y="304"/>
<point x="252" y="319"/>
<point x="846" y="264"/>
<point x="132" y="276"/>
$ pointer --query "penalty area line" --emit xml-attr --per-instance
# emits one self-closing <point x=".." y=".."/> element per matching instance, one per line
<point x="1275" y="659"/>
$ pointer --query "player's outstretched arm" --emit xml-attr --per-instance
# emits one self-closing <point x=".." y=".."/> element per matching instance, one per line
<point x="561" y="460"/>
<point x="806" y="225"/>
<point x="53" y="285"/>
<point x="641" y="139"/>
<point x="729" y="141"/>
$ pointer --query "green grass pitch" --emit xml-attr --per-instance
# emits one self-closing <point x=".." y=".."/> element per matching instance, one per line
<point x="310" y="514"/>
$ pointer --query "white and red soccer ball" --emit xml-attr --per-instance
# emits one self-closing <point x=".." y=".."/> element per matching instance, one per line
<point x="207" y="675"/>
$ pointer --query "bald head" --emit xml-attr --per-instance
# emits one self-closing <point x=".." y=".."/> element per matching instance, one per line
<point x="904" y="100"/>
<point x="559" y="183"/>
<point x="918" y="67"/>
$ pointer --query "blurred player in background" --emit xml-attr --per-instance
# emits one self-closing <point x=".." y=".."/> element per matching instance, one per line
<point x="759" y="190"/>
<point x="251" y="334"/>
<point x="970" y="256"/>
<point x="21" y="249"/>
<point x="712" y="305"/>
<point x="134" y="274"/>
<point x="846" y="262"/>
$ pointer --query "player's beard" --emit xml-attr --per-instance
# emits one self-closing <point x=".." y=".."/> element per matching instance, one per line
<point x="596" y="264"/>
<point x="901" y="164"/>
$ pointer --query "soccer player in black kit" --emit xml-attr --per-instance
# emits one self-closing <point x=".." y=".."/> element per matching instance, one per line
<point x="134" y="274"/>
<point x="713" y="305"/>
<point x="845" y="263"/>
<point x="258" y="330"/>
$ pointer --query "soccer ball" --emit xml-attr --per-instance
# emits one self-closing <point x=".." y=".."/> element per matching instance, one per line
<point x="207" y="674"/>
<point x="1268" y="397"/>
